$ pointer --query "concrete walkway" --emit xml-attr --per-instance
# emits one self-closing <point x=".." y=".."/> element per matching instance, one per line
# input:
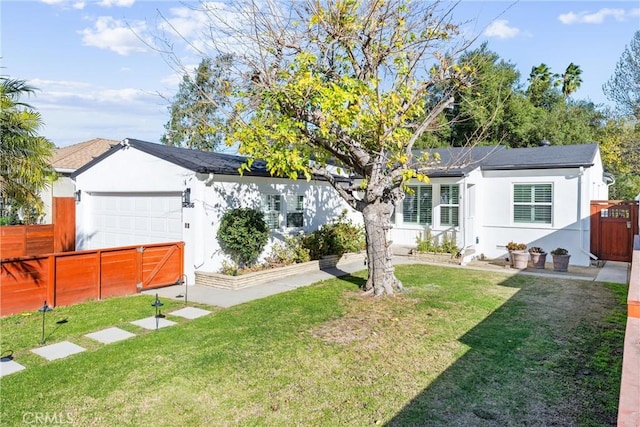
<point x="616" y="272"/>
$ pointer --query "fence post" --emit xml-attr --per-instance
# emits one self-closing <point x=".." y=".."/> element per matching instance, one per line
<point x="51" y="280"/>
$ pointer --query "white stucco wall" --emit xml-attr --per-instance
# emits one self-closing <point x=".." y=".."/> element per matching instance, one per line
<point x="321" y="204"/>
<point x="569" y="227"/>
<point x="133" y="172"/>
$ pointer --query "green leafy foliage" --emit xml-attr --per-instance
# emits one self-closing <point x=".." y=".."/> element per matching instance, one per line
<point x="196" y="120"/>
<point x="290" y="251"/>
<point x="335" y="238"/>
<point x="25" y="156"/>
<point x="243" y="234"/>
<point x="623" y="86"/>
<point x="433" y="244"/>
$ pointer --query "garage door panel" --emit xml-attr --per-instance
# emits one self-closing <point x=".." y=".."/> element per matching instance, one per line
<point x="131" y="219"/>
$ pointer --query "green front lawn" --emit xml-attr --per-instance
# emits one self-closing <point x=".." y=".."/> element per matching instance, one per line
<point x="459" y="348"/>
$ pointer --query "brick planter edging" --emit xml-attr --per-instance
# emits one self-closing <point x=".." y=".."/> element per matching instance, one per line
<point x="224" y="281"/>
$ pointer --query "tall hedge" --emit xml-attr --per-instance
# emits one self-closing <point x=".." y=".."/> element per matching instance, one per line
<point x="243" y="234"/>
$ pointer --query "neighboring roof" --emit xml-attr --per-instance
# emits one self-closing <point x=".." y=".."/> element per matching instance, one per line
<point x="545" y="157"/>
<point x="75" y="156"/>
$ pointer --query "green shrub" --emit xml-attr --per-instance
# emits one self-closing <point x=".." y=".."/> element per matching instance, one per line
<point x="291" y="251"/>
<point x="431" y="244"/>
<point x="335" y="238"/>
<point x="243" y="233"/>
<point x="426" y="244"/>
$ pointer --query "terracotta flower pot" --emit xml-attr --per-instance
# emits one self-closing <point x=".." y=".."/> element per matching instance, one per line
<point x="561" y="262"/>
<point x="538" y="259"/>
<point x="520" y="259"/>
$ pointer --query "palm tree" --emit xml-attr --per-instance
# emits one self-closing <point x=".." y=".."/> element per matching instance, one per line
<point x="24" y="155"/>
<point x="541" y="83"/>
<point x="571" y="79"/>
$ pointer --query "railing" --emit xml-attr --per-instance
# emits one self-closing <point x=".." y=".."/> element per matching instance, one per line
<point x="70" y="277"/>
<point x="629" y="405"/>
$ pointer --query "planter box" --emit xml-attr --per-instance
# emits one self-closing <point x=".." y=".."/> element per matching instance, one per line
<point x="224" y="281"/>
<point x="436" y="257"/>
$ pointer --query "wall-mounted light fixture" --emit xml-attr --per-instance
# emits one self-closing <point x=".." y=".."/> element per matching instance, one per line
<point x="186" y="198"/>
<point x="77" y="195"/>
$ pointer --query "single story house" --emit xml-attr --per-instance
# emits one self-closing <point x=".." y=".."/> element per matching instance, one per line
<point x="489" y="196"/>
<point x="139" y="192"/>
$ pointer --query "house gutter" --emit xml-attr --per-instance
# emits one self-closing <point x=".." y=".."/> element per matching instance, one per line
<point x="580" y="228"/>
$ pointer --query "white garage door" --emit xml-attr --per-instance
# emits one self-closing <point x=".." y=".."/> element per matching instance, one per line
<point x="125" y="219"/>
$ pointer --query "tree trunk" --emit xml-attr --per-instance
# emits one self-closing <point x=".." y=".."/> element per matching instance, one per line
<point x="377" y="223"/>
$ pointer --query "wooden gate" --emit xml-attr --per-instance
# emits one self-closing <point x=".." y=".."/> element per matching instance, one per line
<point x="613" y="225"/>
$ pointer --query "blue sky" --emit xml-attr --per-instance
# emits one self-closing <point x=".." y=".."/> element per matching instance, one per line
<point x="97" y="78"/>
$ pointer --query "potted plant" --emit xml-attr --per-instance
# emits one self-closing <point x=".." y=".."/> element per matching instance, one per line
<point x="560" y="259"/>
<point x="538" y="256"/>
<point x="518" y="255"/>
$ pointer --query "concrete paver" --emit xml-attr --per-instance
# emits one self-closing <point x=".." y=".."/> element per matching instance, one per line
<point x="614" y="271"/>
<point x="109" y="335"/>
<point x="58" y="351"/>
<point x="8" y="367"/>
<point x="190" y="312"/>
<point x="153" y="322"/>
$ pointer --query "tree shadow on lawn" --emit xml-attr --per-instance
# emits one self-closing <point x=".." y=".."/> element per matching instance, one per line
<point x="530" y="362"/>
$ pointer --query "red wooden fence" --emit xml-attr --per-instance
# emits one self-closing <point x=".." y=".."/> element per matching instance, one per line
<point x="30" y="240"/>
<point x="70" y="277"/>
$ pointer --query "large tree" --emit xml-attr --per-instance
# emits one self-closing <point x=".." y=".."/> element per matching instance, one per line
<point x="25" y="156"/>
<point x="624" y="86"/>
<point x="490" y="108"/>
<point x="196" y="118"/>
<point x="344" y="82"/>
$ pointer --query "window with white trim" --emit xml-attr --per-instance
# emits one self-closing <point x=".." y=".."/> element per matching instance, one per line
<point x="272" y="206"/>
<point x="532" y="203"/>
<point x="417" y="205"/>
<point x="295" y="211"/>
<point x="449" y="205"/>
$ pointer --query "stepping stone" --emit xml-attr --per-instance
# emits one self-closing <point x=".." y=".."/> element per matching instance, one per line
<point x="190" y="312"/>
<point x="150" y="322"/>
<point x="9" y="367"/>
<point x="58" y="351"/>
<point x="109" y="335"/>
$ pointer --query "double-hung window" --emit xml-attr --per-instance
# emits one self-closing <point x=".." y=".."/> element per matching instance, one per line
<point x="416" y="206"/>
<point x="295" y="211"/>
<point x="532" y="203"/>
<point x="449" y="205"/>
<point x="272" y="206"/>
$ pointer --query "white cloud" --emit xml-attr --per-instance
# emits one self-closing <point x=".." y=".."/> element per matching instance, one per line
<point x="118" y="36"/>
<point x="97" y="112"/>
<point x="500" y="28"/>
<point x="597" y="17"/>
<point x="117" y="3"/>
<point x="66" y="3"/>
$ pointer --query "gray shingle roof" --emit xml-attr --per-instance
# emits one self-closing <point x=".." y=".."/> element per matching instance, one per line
<point x="551" y="157"/>
<point x="454" y="161"/>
